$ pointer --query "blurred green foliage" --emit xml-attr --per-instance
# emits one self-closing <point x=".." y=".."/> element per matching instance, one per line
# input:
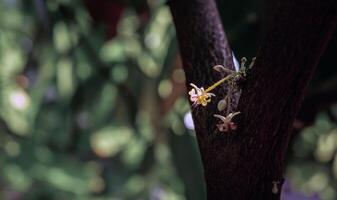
<point x="78" y="110"/>
<point x="84" y="115"/>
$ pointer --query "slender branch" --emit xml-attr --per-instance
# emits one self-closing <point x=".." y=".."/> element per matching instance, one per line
<point x="324" y="95"/>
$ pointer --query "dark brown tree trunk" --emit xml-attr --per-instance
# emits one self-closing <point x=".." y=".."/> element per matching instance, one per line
<point x="244" y="164"/>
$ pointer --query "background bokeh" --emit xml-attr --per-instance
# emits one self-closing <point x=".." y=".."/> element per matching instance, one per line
<point x="92" y="103"/>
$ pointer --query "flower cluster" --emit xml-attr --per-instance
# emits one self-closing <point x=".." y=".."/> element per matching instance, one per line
<point x="200" y="96"/>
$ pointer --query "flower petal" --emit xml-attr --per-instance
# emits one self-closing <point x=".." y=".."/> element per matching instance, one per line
<point x="222" y="118"/>
<point x="231" y="115"/>
<point x="192" y="92"/>
<point x="193" y="98"/>
<point x="194" y="86"/>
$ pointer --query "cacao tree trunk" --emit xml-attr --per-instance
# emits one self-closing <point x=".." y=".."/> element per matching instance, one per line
<point x="249" y="163"/>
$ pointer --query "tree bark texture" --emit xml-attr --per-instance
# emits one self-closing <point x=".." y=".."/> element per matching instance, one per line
<point x="244" y="164"/>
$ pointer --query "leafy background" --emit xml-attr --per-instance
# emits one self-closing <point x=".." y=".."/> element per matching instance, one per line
<point x="92" y="103"/>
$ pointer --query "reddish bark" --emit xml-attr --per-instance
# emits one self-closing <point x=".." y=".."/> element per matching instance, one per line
<point x="244" y="164"/>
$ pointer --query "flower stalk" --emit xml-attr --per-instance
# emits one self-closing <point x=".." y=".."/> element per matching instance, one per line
<point x="216" y="84"/>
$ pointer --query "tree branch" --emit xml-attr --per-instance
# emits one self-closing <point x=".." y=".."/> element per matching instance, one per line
<point x="285" y="64"/>
<point x="203" y="44"/>
<point x="249" y="163"/>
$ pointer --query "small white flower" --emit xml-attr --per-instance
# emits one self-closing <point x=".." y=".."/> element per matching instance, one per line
<point x="199" y="96"/>
<point x="226" y="122"/>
